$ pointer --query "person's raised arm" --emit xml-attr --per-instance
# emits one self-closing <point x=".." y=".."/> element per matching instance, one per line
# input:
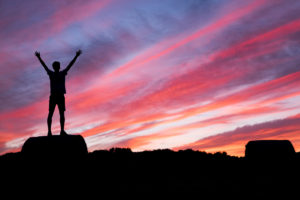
<point x="73" y="61"/>
<point x="38" y="55"/>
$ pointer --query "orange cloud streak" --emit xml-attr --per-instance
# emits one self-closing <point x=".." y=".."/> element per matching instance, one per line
<point x="234" y="142"/>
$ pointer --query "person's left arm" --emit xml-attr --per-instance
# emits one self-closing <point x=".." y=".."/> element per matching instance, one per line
<point x="73" y="61"/>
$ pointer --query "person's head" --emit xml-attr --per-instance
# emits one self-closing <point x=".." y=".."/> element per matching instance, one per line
<point x="56" y="66"/>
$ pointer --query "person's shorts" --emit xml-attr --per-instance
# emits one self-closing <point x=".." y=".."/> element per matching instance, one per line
<point x="58" y="99"/>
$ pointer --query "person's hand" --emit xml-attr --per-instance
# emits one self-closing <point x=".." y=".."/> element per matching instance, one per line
<point x="78" y="52"/>
<point x="37" y="54"/>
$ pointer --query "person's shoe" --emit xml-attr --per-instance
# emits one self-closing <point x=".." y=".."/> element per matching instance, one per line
<point x="49" y="133"/>
<point x="63" y="133"/>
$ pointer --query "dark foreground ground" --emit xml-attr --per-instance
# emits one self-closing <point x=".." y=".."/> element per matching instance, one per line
<point x="153" y="172"/>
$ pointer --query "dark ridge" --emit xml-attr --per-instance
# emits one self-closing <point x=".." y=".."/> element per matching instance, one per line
<point x="164" y="170"/>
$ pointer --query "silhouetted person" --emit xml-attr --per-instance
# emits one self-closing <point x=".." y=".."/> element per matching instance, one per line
<point x="57" y="90"/>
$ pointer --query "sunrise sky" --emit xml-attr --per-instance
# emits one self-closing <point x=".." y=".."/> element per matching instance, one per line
<point x="208" y="75"/>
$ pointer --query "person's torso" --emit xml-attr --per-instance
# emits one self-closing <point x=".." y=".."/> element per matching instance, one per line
<point x="57" y="82"/>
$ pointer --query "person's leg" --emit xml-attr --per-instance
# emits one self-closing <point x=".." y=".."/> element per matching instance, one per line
<point x="62" y="120"/>
<point x="61" y="107"/>
<point x="49" y="119"/>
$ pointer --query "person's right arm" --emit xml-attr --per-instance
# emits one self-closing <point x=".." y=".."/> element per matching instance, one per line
<point x="38" y="55"/>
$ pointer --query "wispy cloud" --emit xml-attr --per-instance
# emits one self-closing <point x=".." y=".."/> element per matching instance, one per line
<point x="154" y="74"/>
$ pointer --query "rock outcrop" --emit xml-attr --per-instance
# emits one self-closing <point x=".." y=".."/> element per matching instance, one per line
<point x="269" y="150"/>
<point x="55" y="147"/>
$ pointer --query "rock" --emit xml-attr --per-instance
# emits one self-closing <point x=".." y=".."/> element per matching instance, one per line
<point x="269" y="150"/>
<point x="55" y="147"/>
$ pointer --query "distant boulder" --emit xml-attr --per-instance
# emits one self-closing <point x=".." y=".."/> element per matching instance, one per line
<point x="55" y="147"/>
<point x="269" y="150"/>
